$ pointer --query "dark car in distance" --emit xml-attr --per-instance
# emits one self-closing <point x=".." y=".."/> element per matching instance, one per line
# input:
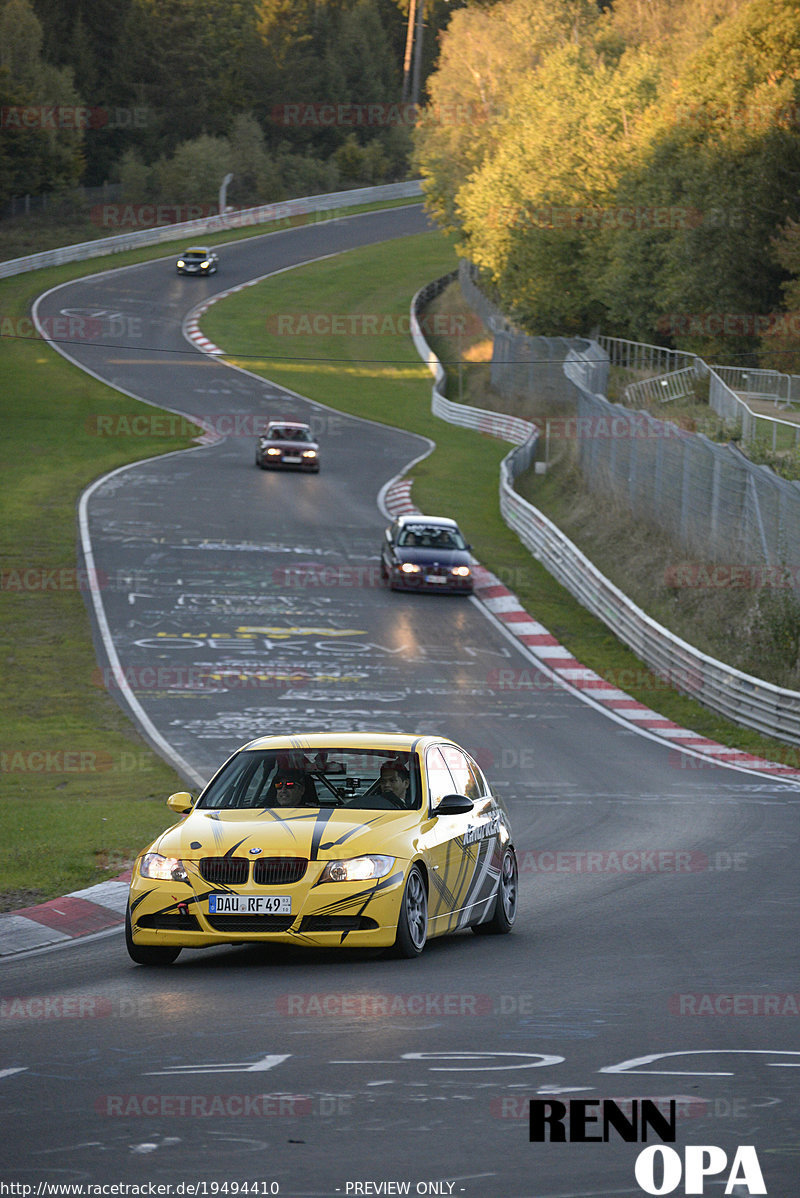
<point x="426" y="553"/>
<point x="287" y="444"/>
<point x="197" y="260"/>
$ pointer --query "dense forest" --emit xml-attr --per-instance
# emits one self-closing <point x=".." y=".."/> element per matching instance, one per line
<point x="627" y="166"/>
<point x="634" y="170"/>
<point x="167" y="96"/>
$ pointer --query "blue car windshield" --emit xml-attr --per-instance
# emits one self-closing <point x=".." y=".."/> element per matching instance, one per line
<point x="360" y="779"/>
<point x="422" y="536"/>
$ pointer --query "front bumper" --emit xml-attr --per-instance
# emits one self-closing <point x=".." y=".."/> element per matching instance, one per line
<point x="417" y="582"/>
<point x="278" y="464"/>
<point x="358" y="914"/>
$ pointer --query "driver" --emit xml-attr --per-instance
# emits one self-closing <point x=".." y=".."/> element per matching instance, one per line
<point x="290" y="788"/>
<point x="394" y="782"/>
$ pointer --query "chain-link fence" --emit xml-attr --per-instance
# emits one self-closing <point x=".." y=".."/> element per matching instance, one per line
<point x="708" y="497"/>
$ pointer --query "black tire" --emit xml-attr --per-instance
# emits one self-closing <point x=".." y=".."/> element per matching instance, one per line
<point x="147" y="954"/>
<point x="505" y="907"/>
<point x="412" y="925"/>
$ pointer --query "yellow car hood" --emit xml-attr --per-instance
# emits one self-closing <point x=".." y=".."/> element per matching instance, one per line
<point x="317" y="834"/>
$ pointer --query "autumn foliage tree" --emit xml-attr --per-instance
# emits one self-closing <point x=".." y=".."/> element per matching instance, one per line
<point x="636" y="165"/>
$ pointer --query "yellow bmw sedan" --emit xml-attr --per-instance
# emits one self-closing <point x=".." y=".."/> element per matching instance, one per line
<point x="364" y="840"/>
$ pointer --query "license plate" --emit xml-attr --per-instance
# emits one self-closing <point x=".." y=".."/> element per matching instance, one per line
<point x="249" y="904"/>
<point x="435" y="578"/>
<point x="292" y="459"/>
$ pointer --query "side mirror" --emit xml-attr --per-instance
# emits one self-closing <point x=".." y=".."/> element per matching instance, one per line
<point x="181" y="803"/>
<point x="454" y="805"/>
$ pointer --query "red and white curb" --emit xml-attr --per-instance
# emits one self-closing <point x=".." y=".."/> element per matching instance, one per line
<point x="557" y="661"/>
<point x="191" y="325"/>
<point x="198" y="339"/>
<point x="77" y="914"/>
<point x="397" y="499"/>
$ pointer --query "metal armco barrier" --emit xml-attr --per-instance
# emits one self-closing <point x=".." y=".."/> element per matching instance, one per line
<point x="740" y="697"/>
<point x="240" y="219"/>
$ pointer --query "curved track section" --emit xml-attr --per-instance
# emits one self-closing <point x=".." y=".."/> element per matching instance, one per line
<point x="646" y="882"/>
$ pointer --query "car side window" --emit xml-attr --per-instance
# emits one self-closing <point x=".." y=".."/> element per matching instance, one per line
<point x="466" y="780"/>
<point x="440" y="780"/>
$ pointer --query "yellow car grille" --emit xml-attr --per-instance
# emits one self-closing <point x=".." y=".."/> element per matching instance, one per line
<point x="267" y="871"/>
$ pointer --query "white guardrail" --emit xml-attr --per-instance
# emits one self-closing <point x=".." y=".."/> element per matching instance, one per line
<point x="238" y="219"/>
<point x="740" y="697"/>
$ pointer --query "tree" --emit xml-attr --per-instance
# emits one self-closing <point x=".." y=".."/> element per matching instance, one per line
<point x="41" y="150"/>
<point x="487" y="54"/>
<point x="723" y="148"/>
<point x="192" y="175"/>
<point x="533" y="212"/>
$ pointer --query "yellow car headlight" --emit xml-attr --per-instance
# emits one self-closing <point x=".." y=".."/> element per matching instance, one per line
<point x="410" y="568"/>
<point x="163" y="869"/>
<point x="309" y="453"/>
<point x="274" y="453"/>
<point x="357" y="869"/>
<point x="461" y="571"/>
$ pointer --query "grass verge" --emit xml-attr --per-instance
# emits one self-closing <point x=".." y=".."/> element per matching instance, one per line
<point x="380" y="377"/>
